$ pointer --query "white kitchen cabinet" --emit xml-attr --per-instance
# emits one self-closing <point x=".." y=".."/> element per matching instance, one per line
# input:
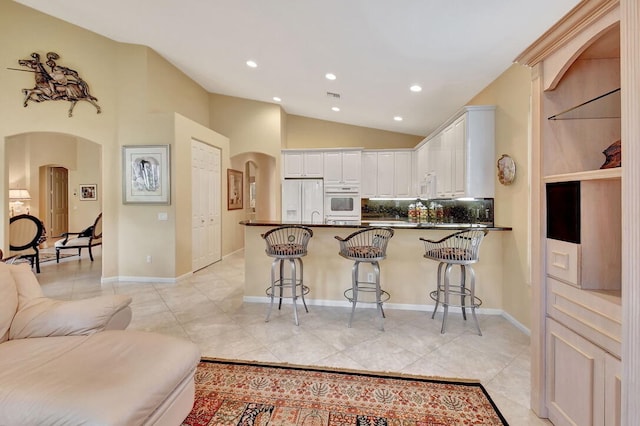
<point x="369" y="186"/>
<point x="584" y="381"/>
<point x="458" y="157"/>
<point x="387" y="174"/>
<point x="402" y="183"/>
<point x="445" y="166"/>
<point x="421" y="169"/>
<point x="297" y="164"/>
<point x="352" y="166"/>
<point x="342" y="167"/>
<point x="461" y="154"/>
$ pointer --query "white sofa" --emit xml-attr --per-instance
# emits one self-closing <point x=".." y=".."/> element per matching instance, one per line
<point x="71" y="362"/>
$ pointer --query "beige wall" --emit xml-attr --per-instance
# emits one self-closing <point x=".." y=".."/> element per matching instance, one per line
<point x="304" y="132"/>
<point x="22" y="32"/>
<point x="139" y="93"/>
<point x="169" y="90"/>
<point x="251" y="126"/>
<point x="511" y="93"/>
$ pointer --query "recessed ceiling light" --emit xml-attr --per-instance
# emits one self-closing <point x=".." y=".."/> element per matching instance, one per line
<point x="397" y="118"/>
<point x="277" y="99"/>
<point x="330" y="76"/>
<point x="252" y="64"/>
<point x="415" y="88"/>
<point x="336" y="109"/>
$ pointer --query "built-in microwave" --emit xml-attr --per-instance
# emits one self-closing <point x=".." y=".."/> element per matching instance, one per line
<point x="342" y="201"/>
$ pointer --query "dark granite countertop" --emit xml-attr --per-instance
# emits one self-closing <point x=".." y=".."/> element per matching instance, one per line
<point x="396" y="224"/>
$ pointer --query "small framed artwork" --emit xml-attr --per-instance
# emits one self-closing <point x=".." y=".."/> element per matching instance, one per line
<point x="88" y="192"/>
<point x="234" y="189"/>
<point x="146" y="178"/>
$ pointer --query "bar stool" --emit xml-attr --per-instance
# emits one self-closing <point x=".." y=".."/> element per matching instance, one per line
<point x="287" y="243"/>
<point x="461" y="248"/>
<point x="366" y="246"/>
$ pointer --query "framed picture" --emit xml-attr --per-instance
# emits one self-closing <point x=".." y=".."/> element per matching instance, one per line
<point x="88" y="192"/>
<point x="146" y="174"/>
<point x="234" y="189"/>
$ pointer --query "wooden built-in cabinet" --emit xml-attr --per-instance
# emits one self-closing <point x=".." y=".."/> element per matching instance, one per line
<point x="577" y="317"/>
<point x="583" y="380"/>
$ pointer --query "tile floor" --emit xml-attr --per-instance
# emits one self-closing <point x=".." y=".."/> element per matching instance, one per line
<point x="208" y="309"/>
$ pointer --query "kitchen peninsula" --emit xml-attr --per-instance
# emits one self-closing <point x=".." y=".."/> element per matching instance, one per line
<point x="405" y="273"/>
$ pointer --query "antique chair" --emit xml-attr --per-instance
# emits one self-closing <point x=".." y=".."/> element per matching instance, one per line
<point x="366" y="246"/>
<point x="88" y="238"/>
<point x="461" y="248"/>
<point x="25" y="235"/>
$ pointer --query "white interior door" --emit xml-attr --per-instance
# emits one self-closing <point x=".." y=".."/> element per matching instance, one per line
<point x="58" y="201"/>
<point x="206" y="205"/>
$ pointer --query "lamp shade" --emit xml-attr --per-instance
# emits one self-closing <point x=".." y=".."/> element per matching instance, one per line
<point x="19" y="194"/>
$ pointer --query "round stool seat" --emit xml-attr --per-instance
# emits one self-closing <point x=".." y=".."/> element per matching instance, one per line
<point x="451" y="255"/>
<point x="363" y="253"/>
<point x="287" y="250"/>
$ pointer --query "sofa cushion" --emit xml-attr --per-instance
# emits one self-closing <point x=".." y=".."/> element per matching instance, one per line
<point x="8" y="300"/>
<point x="26" y="283"/>
<point x="77" y="242"/>
<point x="43" y="317"/>
<point x="107" y="378"/>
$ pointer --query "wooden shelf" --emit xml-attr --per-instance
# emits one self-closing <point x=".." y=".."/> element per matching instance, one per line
<point x="600" y="174"/>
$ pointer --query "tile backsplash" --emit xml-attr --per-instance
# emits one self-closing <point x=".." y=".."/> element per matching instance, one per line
<point x="477" y="210"/>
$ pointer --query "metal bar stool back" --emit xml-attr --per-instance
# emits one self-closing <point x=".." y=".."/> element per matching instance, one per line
<point x="287" y="244"/>
<point x="368" y="246"/>
<point x="461" y="248"/>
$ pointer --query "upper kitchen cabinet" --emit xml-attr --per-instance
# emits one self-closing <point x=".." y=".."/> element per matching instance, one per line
<point x="421" y="170"/>
<point x="303" y="164"/>
<point x="369" y="187"/>
<point x="387" y="173"/>
<point x="460" y="156"/>
<point x="402" y="182"/>
<point x="342" y="166"/>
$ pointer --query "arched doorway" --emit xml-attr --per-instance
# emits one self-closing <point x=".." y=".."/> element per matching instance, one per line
<point x="50" y="164"/>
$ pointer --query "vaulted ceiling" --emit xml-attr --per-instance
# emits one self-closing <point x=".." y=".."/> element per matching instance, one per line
<point x="376" y="49"/>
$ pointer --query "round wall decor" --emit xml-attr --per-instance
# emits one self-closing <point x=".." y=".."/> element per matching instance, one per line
<point x="506" y="169"/>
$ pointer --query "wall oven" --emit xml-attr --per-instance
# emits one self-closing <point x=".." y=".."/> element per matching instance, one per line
<point x="342" y="203"/>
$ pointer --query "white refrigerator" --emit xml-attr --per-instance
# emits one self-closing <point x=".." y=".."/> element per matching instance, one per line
<point x="303" y="200"/>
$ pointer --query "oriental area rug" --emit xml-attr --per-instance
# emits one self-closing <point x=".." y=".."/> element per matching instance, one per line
<point x="243" y="394"/>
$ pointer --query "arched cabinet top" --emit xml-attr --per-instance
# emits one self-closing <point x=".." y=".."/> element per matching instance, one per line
<point x="562" y="44"/>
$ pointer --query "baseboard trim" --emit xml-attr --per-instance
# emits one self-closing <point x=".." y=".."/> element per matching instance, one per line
<point x="517" y="324"/>
<point x="398" y="306"/>
<point x="136" y="279"/>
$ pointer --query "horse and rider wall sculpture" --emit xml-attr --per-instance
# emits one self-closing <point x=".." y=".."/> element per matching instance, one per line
<point x="58" y="84"/>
